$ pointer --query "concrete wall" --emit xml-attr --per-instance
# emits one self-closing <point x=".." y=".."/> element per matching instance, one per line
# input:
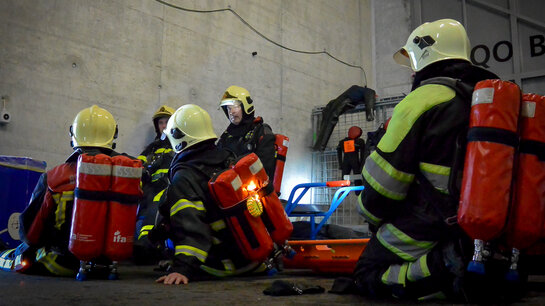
<point x="131" y="56"/>
<point x="392" y="26"/>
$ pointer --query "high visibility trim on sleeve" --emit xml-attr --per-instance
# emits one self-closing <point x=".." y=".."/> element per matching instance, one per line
<point x="191" y="251"/>
<point x="437" y="175"/>
<point x="218" y="225"/>
<point x="401" y="244"/>
<point x="367" y="214"/>
<point x="158" y="196"/>
<point x="385" y="179"/>
<point x="407" y="112"/>
<point x="183" y="204"/>
<point x="418" y="269"/>
<point x="158" y="174"/>
<point x="395" y="274"/>
<point x="142" y="158"/>
<point x="144" y="231"/>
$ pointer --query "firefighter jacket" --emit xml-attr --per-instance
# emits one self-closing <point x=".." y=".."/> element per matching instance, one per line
<point x="45" y="223"/>
<point x="156" y="159"/>
<point x="251" y="136"/>
<point x="421" y="138"/>
<point x="202" y="241"/>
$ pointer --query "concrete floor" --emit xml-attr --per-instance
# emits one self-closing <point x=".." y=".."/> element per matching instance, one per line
<point x="137" y="287"/>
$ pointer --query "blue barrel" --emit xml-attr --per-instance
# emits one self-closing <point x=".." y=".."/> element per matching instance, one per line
<point x="18" y="177"/>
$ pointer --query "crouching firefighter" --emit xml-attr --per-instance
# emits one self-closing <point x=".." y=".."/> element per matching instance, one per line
<point x="46" y="222"/>
<point x="203" y="245"/>
<point x="416" y="252"/>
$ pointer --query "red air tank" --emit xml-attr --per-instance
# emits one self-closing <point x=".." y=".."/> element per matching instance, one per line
<point x="250" y="169"/>
<point x="281" y="145"/>
<point x="527" y="217"/>
<point x="488" y="169"/>
<point x="125" y="194"/>
<point x="231" y="194"/>
<point x="90" y="206"/>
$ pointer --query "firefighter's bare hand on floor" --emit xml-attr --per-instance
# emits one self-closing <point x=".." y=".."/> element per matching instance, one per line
<point x="173" y="278"/>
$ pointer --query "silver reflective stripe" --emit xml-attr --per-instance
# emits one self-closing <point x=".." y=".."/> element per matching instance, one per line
<point x="395" y="275"/>
<point x="387" y="185"/>
<point x="438" y="181"/>
<point x="256" y="166"/>
<point x="128" y="172"/>
<point x="401" y="244"/>
<point x="236" y="183"/>
<point x="483" y="95"/>
<point x="528" y="109"/>
<point x="418" y="269"/>
<point x="95" y="169"/>
<point x="228" y="265"/>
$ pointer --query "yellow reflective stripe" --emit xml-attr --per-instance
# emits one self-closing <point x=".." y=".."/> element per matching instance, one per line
<point x="218" y="225"/>
<point x="436" y="169"/>
<point x="395" y="274"/>
<point x="191" y="251"/>
<point x="367" y="214"/>
<point x="407" y="112"/>
<point x="258" y="267"/>
<point x="183" y="203"/>
<point x="157" y="197"/>
<point x="162" y="150"/>
<point x="60" y="212"/>
<point x="49" y="262"/>
<point x="145" y="231"/>
<point x="215" y="241"/>
<point x="401" y="244"/>
<point x="158" y="174"/>
<point x="418" y="269"/>
<point x="142" y="158"/>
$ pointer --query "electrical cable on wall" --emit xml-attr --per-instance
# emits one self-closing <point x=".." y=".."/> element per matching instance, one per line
<point x="265" y="37"/>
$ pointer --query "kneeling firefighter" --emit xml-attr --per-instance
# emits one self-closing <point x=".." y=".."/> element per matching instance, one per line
<point x="414" y="253"/>
<point x="45" y="224"/>
<point x="203" y="245"/>
<point x="156" y="159"/>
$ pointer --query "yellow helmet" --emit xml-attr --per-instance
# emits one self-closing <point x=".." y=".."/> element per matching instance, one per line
<point x="93" y="127"/>
<point x="163" y="111"/>
<point x="235" y="95"/>
<point x="189" y="125"/>
<point x="432" y="42"/>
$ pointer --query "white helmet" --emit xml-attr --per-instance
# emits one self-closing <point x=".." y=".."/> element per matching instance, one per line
<point x="432" y="42"/>
<point x="189" y="125"/>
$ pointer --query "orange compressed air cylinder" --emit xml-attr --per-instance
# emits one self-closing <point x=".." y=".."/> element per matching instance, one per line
<point x="281" y="145"/>
<point x="274" y="217"/>
<point x="488" y="169"/>
<point x="527" y="217"/>
<point x="230" y="193"/>
<point x="123" y="206"/>
<point x="90" y="206"/>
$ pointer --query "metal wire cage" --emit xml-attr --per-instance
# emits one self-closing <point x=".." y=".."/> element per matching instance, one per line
<point x="325" y="166"/>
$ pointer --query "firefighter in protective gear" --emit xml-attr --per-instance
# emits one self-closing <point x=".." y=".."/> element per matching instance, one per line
<point x="413" y="252"/>
<point x="203" y="245"/>
<point x="246" y="133"/>
<point x="156" y="159"/>
<point x="352" y="149"/>
<point x="45" y="223"/>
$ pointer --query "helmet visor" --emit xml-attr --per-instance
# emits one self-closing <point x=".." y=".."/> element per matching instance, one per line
<point x="402" y="58"/>
<point x="228" y="102"/>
